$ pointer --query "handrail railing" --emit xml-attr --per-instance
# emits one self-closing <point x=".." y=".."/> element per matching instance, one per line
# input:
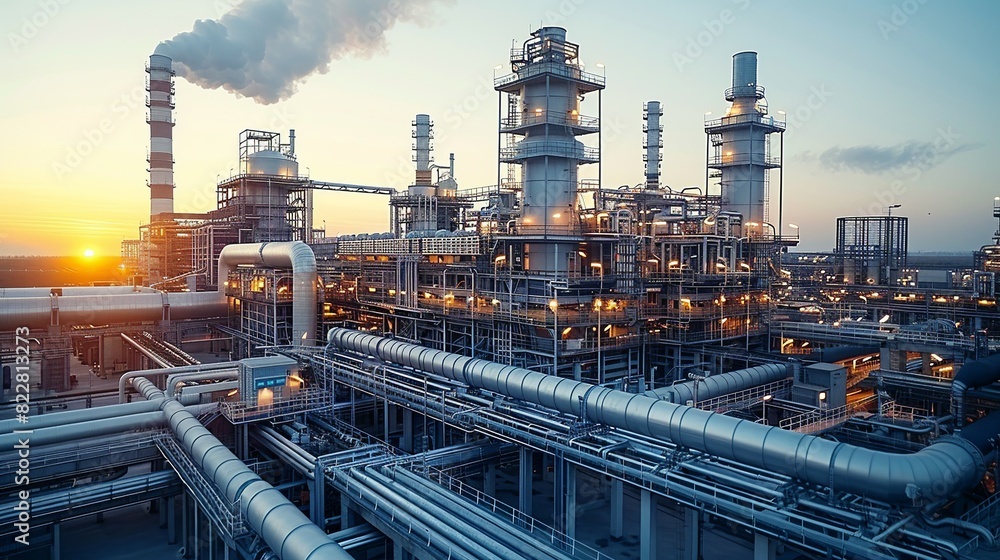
<point x="514" y="515"/>
<point x="226" y="516"/>
<point x="817" y="420"/>
<point x="305" y="400"/>
<point x="559" y="68"/>
<point x="747" y="397"/>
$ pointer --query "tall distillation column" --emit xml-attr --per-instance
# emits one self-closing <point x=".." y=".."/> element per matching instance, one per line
<point x="422" y="191"/>
<point x="739" y="144"/>
<point x="548" y="83"/>
<point x="653" y="143"/>
<point x="159" y="99"/>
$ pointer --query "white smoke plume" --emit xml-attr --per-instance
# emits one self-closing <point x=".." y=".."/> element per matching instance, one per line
<point x="264" y="49"/>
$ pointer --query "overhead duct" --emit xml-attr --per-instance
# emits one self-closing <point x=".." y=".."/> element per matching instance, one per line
<point x="972" y="376"/>
<point x="83" y="415"/>
<point x="79" y="430"/>
<point x="942" y="469"/>
<point x="284" y="254"/>
<point x="39" y="309"/>
<point x="721" y="384"/>
<point x="174" y="380"/>
<point x="280" y="524"/>
<point x="146" y="373"/>
<point x="113" y="306"/>
<point x="283" y="527"/>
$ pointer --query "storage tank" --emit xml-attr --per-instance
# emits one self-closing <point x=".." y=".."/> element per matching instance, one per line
<point x="271" y="162"/>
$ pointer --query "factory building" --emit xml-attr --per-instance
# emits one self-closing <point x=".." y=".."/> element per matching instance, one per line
<point x="542" y="367"/>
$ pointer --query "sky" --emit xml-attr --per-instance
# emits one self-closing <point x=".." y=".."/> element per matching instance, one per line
<point x="888" y="102"/>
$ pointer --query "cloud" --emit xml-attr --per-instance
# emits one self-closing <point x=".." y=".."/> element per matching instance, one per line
<point x="876" y="160"/>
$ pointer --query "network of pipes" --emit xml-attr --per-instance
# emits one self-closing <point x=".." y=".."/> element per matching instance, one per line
<point x="545" y="367"/>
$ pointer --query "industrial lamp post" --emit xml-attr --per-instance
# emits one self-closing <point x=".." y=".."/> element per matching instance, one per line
<point x="763" y="402"/>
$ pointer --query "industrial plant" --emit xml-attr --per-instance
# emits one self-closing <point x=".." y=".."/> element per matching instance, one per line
<point x="544" y="367"/>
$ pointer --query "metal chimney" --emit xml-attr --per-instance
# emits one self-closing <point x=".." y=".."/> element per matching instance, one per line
<point x="653" y="143"/>
<point x="160" y="100"/>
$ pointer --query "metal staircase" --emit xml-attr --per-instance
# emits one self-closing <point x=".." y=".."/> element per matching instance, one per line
<point x="225" y="516"/>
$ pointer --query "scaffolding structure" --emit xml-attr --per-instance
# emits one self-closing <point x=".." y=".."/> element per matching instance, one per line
<point x="871" y="249"/>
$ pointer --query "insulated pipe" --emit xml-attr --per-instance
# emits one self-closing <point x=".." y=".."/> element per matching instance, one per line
<point x="985" y="432"/>
<point x="942" y="469"/>
<point x="141" y="374"/>
<point x="115" y="306"/>
<point x="147" y="389"/>
<point x="962" y="524"/>
<point x="357" y="490"/>
<point x="158" y="360"/>
<point x="81" y="415"/>
<point x="39" y="312"/>
<point x="285" y="455"/>
<point x="285" y="254"/>
<point x="972" y="375"/>
<point x="295" y="453"/>
<point x="268" y="513"/>
<point x="438" y="520"/>
<point x="732" y="505"/>
<point x="487" y="523"/>
<point x="72" y="447"/>
<point x="92" y="428"/>
<point x="55" y="504"/>
<point x="174" y="380"/>
<point x="193" y="395"/>
<point x="721" y="384"/>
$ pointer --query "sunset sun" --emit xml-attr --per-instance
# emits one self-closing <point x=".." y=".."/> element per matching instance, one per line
<point x="88" y="253"/>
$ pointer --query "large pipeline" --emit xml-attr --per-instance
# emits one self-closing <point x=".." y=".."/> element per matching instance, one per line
<point x="721" y="384"/>
<point x="80" y="415"/>
<point x="268" y="513"/>
<point x="39" y="308"/>
<point x="285" y="254"/>
<point x="128" y="377"/>
<point x="972" y="376"/>
<point x="282" y="526"/>
<point x="92" y="428"/>
<point x="939" y="470"/>
<point x="39" y="312"/>
<point x="174" y="380"/>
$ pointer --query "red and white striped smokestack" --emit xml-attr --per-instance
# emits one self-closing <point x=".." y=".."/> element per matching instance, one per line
<point x="160" y="100"/>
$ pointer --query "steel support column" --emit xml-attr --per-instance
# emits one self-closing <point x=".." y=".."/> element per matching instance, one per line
<point x="647" y="525"/>
<point x="524" y="480"/>
<point x="617" y="509"/>
<point x="763" y="547"/>
<point x="692" y="534"/>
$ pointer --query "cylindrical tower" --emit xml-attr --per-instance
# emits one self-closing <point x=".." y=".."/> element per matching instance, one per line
<point x="653" y="143"/>
<point x="160" y="101"/>
<point x="739" y="144"/>
<point x="547" y="85"/>
<point x="422" y="192"/>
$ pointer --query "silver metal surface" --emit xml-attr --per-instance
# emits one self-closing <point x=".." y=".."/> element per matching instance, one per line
<point x="939" y="470"/>
<point x="721" y="384"/>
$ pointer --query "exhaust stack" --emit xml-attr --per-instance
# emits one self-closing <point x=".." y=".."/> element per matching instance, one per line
<point x="160" y="101"/>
